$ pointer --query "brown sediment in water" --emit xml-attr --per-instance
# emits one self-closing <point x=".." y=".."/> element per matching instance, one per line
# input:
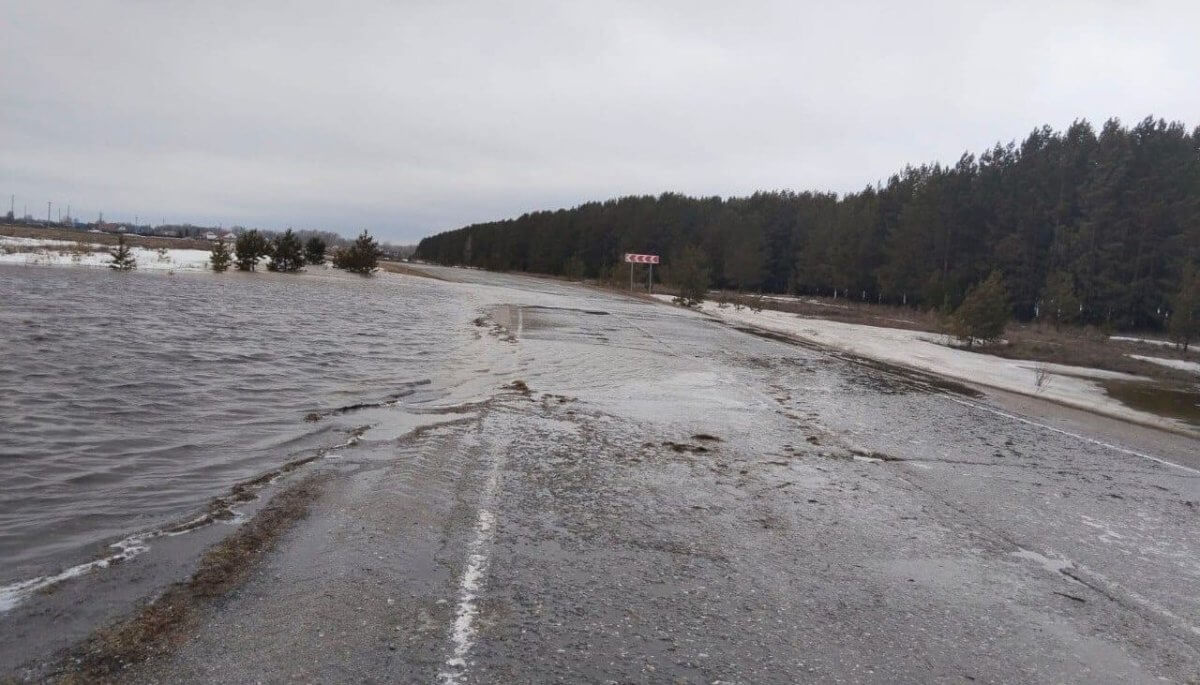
<point x="158" y="627"/>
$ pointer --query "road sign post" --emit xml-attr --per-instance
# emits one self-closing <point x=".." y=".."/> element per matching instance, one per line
<point x="649" y="259"/>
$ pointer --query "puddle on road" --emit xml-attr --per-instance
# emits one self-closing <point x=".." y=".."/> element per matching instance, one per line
<point x="1172" y="403"/>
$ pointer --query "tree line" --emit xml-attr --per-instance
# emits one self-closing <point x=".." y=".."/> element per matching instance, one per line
<point x="1083" y="226"/>
<point x="284" y="253"/>
<point x="287" y="254"/>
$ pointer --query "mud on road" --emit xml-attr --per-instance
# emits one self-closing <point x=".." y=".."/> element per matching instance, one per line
<point x="649" y="496"/>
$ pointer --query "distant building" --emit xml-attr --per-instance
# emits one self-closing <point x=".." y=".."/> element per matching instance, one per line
<point x="211" y="236"/>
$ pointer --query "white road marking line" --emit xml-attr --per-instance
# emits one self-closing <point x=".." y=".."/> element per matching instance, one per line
<point x="1084" y="438"/>
<point x="462" y="634"/>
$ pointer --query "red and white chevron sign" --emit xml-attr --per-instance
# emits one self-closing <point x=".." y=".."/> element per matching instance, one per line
<point x="641" y="258"/>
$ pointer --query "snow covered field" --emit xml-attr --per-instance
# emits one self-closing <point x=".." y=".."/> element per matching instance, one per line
<point x="39" y="252"/>
<point x="1073" y="386"/>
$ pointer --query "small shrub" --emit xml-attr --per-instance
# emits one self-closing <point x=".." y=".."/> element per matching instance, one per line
<point x="983" y="315"/>
<point x="756" y="303"/>
<point x="122" y="257"/>
<point x="1041" y="374"/>
<point x="220" y="257"/>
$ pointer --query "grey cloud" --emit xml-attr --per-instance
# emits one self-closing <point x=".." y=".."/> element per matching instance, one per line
<point x="407" y="118"/>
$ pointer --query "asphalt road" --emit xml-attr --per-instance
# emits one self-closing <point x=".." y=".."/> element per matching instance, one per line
<point x="674" y="500"/>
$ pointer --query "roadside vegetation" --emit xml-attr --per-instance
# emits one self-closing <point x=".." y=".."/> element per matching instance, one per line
<point x="220" y="257"/>
<point x="122" y="257"/>
<point x="249" y="248"/>
<point x="362" y="257"/>
<point x="689" y="273"/>
<point x="1089" y="225"/>
<point x="983" y="315"/>
<point x="286" y="254"/>
<point x="314" y="251"/>
<point x="1185" y="316"/>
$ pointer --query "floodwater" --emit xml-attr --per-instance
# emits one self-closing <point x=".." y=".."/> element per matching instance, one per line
<point x="128" y="402"/>
<point x="661" y="495"/>
<point x="1174" y="403"/>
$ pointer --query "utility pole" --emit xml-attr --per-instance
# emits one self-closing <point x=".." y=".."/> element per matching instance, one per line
<point x="48" y="212"/>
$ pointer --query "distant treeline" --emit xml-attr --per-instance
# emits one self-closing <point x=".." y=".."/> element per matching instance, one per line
<point x="189" y="231"/>
<point x="1106" y="221"/>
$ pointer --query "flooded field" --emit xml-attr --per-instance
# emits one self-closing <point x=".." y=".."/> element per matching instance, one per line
<point x="128" y="402"/>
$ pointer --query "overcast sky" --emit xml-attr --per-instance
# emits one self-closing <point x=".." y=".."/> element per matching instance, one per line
<point x="409" y="118"/>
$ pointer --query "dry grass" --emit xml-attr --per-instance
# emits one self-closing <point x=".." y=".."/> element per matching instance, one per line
<point x="101" y="238"/>
<point x="405" y="269"/>
<point x="1087" y="346"/>
<point x="158" y="627"/>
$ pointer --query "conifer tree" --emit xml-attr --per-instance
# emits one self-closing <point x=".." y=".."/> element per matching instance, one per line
<point x="574" y="268"/>
<point x="1184" y="325"/>
<point x="250" y="247"/>
<point x="122" y="257"/>
<point x="984" y="312"/>
<point x="362" y="257"/>
<point x="287" y="255"/>
<point x="1059" y="302"/>
<point x="314" y="251"/>
<point x="220" y="257"/>
<point x="690" y="275"/>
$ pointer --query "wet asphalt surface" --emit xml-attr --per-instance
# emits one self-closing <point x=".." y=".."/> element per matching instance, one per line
<point x="674" y="500"/>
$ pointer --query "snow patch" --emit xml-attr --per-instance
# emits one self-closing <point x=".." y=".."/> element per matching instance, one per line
<point x="1180" y="364"/>
<point x="1144" y="341"/>
<point x="1074" y="386"/>
<point x="47" y="253"/>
